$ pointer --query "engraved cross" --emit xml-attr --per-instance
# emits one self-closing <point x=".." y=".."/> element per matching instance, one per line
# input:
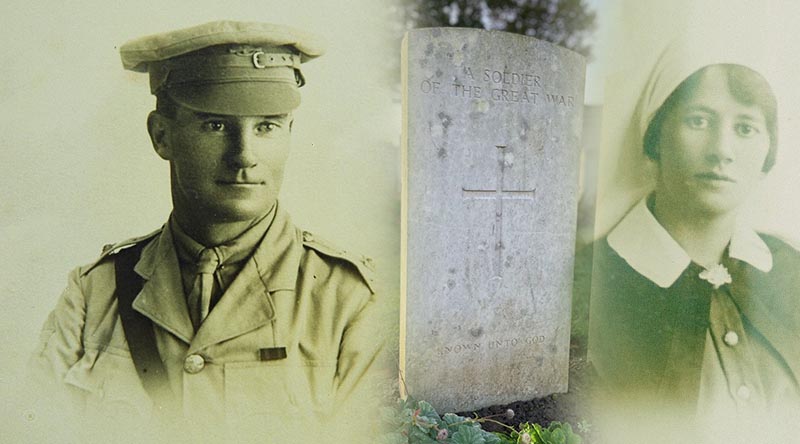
<point x="499" y="194"/>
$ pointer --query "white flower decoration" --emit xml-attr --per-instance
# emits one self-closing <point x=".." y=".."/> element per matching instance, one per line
<point x="717" y="276"/>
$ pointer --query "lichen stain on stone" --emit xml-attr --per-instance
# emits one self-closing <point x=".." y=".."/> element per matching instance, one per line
<point x="435" y="130"/>
<point x="458" y="58"/>
<point x="438" y="131"/>
<point x="429" y="49"/>
<point x="479" y="108"/>
<point x="445" y="119"/>
<point x="476" y="332"/>
<point x="508" y="160"/>
<point x="523" y="133"/>
<point x="451" y="283"/>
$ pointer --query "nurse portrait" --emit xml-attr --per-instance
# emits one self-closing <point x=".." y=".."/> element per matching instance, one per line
<point x="692" y="311"/>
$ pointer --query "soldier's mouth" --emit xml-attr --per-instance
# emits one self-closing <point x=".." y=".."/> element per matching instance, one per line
<point x="240" y="184"/>
<point x="241" y="178"/>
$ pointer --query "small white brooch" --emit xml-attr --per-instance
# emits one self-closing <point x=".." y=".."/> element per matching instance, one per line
<point x="717" y="276"/>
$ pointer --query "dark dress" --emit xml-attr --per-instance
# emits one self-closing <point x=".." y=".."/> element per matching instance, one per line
<point x="646" y="343"/>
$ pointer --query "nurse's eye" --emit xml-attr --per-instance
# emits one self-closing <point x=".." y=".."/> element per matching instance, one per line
<point x="746" y="130"/>
<point x="213" y="126"/>
<point x="697" y="122"/>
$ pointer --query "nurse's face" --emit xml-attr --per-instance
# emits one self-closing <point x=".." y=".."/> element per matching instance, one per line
<point x="711" y="148"/>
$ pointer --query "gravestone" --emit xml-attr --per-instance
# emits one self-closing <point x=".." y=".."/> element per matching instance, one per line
<point x="492" y="125"/>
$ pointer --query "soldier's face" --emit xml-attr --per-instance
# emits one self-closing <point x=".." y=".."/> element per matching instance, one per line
<point x="226" y="168"/>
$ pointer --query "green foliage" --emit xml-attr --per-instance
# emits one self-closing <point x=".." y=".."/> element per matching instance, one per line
<point x="417" y="422"/>
<point x="568" y="23"/>
<point x="555" y="433"/>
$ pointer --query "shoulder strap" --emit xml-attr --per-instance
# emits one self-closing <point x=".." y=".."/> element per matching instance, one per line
<point x="139" y="329"/>
<point x="363" y="265"/>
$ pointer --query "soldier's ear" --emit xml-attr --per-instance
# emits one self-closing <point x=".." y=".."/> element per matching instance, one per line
<point x="158" y="127"/>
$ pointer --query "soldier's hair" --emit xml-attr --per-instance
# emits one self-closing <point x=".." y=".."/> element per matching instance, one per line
<point x="166" y="106"/>
<point x="745" y="85"/>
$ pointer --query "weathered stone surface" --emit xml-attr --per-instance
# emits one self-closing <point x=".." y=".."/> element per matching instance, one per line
<point x="492" y="126"/>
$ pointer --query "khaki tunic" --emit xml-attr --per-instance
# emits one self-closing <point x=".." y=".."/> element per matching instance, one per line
<point x="294" y="292"/>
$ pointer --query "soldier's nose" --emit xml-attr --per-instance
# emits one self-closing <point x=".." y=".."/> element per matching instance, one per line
<point x="241" y="153"/>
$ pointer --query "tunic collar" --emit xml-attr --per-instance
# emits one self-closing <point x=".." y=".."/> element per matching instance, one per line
<point x="650" y="250"/>
<point x="247" y="303"/>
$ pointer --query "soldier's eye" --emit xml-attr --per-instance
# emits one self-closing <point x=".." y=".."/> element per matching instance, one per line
<point x="265" y="128"/>
<point x="214" y="126"/>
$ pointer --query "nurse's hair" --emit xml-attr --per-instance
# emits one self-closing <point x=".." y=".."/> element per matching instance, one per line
<point x="745" y="85"/>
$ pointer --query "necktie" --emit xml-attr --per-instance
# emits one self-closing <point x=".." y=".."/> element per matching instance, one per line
<point x="200" y="296"/>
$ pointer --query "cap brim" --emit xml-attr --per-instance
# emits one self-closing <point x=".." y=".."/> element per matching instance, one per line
<point x="238" y="98"/>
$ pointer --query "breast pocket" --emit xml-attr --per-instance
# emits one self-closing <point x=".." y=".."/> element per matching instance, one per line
<point x="279" y="391"/>
<point x="110" y="387"/>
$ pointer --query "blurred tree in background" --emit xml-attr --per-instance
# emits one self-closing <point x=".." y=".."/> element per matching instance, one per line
<point x="568" y="23"/>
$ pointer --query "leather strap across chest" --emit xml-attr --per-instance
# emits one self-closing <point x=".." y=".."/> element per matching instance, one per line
<point x="139" y="331"/>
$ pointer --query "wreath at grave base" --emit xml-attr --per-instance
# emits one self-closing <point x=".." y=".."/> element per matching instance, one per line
<point x="417" y="422"/>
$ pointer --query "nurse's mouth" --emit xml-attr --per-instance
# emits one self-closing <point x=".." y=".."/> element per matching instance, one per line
<point x="714" y="177"/>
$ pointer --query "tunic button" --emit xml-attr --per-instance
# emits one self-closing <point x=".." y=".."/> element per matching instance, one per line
<point x="731" y="338"/>
<point x="194" y="364"/>
<point x="743" y="392"/>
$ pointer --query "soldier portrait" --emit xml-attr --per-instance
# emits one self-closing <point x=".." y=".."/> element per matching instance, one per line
<point x="228" y="297"/>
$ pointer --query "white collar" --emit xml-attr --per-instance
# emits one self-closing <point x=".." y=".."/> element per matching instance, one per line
<point x="650" y="250"/>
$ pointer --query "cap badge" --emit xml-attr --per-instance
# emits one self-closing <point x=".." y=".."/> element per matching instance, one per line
<point x="244" y="50"/>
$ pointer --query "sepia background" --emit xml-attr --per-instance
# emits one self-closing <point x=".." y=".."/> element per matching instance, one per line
<point x="78" y="170"/>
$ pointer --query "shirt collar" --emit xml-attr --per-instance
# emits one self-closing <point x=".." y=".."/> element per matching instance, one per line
<point x="278" y="256"/>
<point x="652" y="252"/>
<point x="232" y="251"/>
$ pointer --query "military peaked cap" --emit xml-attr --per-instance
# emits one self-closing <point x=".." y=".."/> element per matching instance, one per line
<point x="226" y="67"/>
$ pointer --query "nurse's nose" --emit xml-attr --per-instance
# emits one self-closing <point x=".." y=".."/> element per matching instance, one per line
<point x="720" y="148"/>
